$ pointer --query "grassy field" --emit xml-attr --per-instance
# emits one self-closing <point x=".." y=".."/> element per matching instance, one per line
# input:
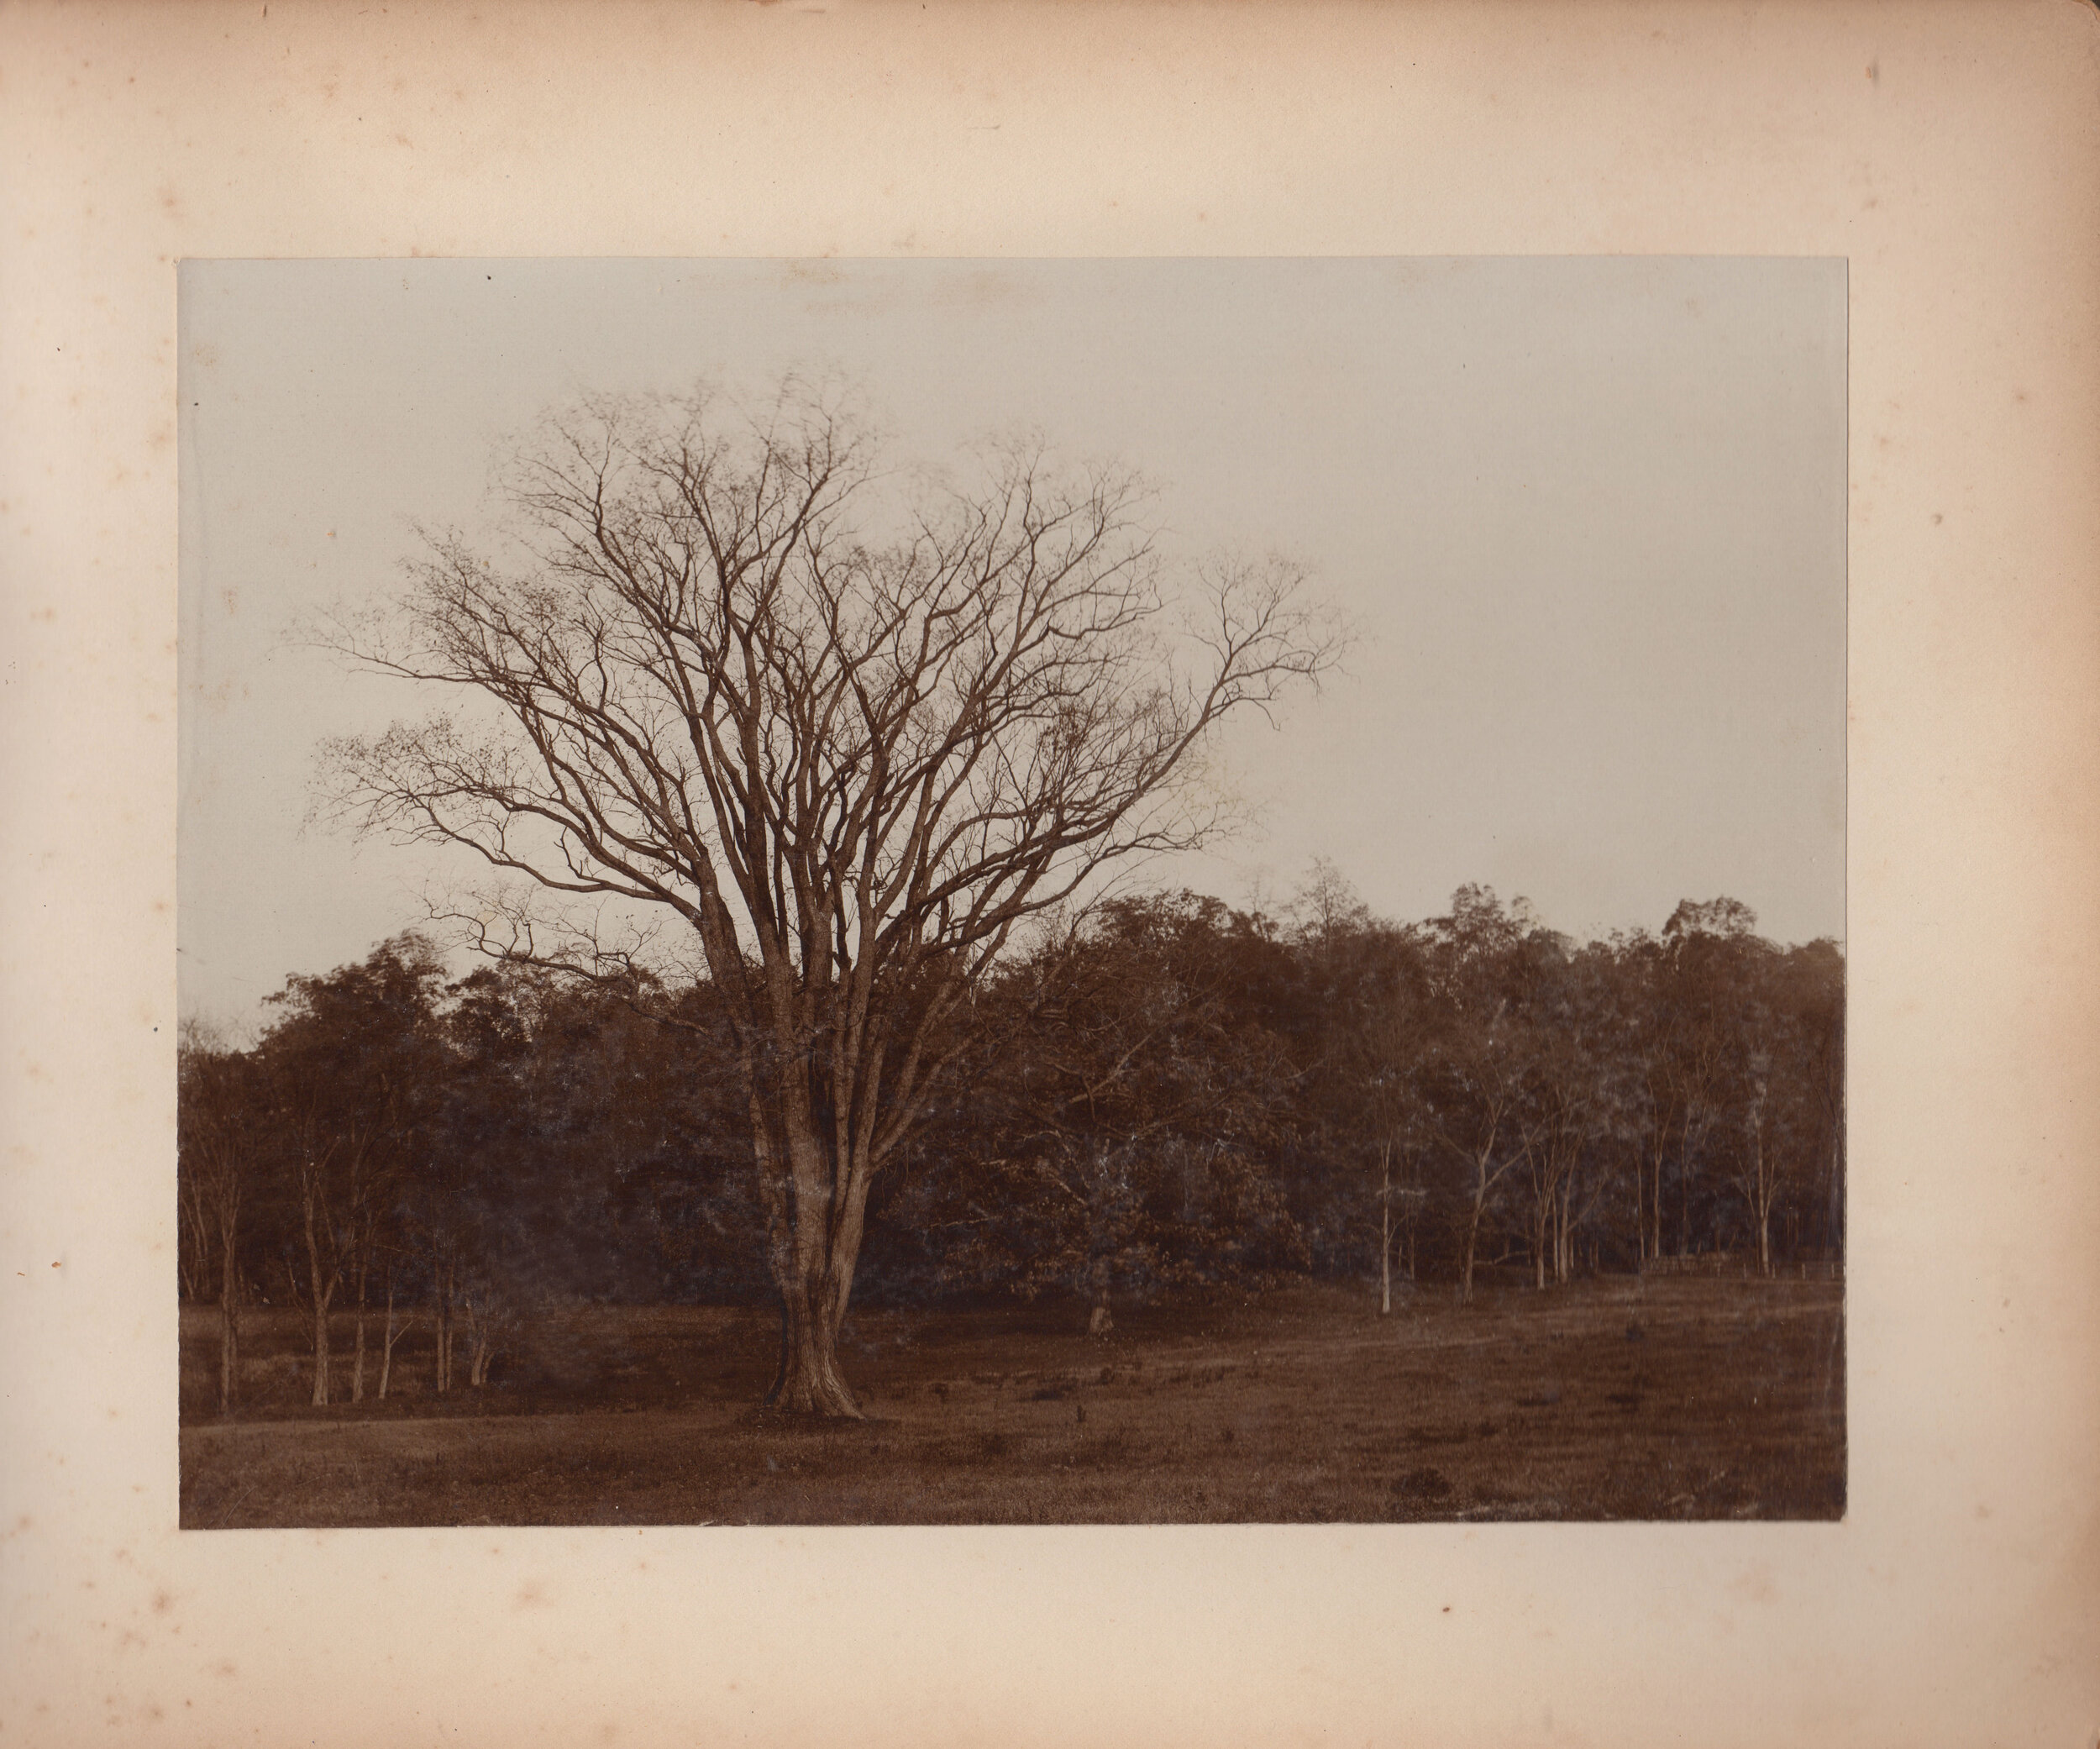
<point x="1618" y="1399"/>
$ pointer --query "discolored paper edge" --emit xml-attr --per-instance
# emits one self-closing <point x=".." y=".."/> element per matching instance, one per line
<point x="1951" y="151"/>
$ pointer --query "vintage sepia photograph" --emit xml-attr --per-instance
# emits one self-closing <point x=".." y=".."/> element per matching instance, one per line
<point x="970" y="892"/>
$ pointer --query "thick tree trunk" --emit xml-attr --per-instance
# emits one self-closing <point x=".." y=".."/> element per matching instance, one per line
<point x="808" y="1380"/>
<point x="813" y="1249"/>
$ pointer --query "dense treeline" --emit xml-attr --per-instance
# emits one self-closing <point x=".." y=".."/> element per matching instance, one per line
<point x="1166" y="1092"/>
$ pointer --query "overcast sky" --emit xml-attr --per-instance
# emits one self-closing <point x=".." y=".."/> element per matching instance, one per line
<point x="1590" y="515"/>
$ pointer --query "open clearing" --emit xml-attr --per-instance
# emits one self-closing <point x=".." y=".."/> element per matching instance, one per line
<point x="1617" y="1398"/>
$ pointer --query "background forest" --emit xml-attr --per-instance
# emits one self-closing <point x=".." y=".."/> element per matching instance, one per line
<point x="1163" y="1093"/>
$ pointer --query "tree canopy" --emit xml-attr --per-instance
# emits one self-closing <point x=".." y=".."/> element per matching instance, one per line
<point x="846" y="732"/>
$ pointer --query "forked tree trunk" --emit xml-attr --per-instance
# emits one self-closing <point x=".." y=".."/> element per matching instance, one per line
<point x="812" y="1258"/>
<point x="480" y="1318"/>
<point x="392" y="1335"/>
<point x="1473" y="1242"/>
<point x="808" y="1380"/>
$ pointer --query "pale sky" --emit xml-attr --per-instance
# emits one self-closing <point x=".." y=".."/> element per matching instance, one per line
<point x="1587" y="514"/>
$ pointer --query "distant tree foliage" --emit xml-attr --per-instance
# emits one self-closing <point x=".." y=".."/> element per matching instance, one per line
<point x="1161" y="1094"/>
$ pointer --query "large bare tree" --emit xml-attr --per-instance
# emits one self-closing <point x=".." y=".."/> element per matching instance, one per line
<point x="848" y="730"/>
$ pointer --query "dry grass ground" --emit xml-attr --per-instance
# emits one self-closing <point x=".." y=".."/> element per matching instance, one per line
<point x="1610" y="1399"/>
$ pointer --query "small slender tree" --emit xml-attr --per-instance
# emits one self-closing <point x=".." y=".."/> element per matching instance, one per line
<point x="1712" y="953"/>
<point x="395" y="1327"/>
<point x="344" y="1065"/>
<point x="221" y="1134"/>
<point x="1475" y="1073"/>
<point x="1386" y="1039"/>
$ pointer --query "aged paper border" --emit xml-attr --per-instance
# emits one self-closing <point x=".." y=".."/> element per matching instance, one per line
<point x="1951" y="151"/>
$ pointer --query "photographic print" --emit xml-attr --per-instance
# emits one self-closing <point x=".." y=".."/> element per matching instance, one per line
<point x="1028" y="892"/>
